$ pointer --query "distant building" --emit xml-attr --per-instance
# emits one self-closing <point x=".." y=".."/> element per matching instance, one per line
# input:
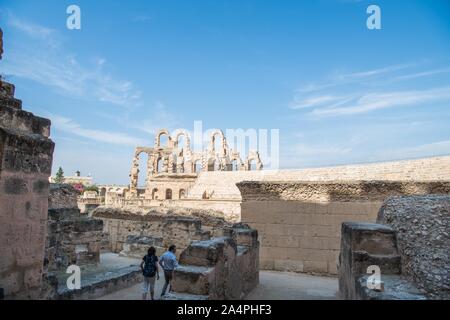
<point x="76" y="179"/>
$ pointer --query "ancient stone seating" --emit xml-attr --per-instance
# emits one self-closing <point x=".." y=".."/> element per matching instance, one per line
<point x="410" y="247"/>
<point x="220" y="268"/>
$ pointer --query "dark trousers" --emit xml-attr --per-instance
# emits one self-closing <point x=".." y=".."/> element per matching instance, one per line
<point x="168" y="275"/>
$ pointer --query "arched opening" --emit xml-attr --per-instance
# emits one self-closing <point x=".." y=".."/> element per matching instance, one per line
<point x="252" y="165"/>
<point x="234" y="165"/>
<point x="197" y="166"/>
<point x="205" y="196"/>
<point x="182" y="194"/>
<point x="159" y="165"/>
<point x="181" y="143"/>
<point x="154" y="194"/>
<point x="212" y="165"/>
<point x="143" y="170"/>
<point x="169" y="194"/>
<point x="102" y="192"/>
<point x="164" y="140"/>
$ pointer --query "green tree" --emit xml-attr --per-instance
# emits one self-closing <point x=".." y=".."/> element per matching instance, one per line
<point x="59" y="178"/>
<point x="91" y="188"/>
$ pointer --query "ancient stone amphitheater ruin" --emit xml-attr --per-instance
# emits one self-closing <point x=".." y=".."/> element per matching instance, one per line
<point x="229" y="218"/>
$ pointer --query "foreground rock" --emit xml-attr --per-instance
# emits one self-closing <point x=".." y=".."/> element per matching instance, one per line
<point x="411" y="250"/>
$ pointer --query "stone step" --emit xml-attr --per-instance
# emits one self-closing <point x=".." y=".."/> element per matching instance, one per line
<point x="389" y="264"/>
<point x="20" y="120"/>
<point x="394" y="287"/>
<point x="204" y="253"/>
<point x="193" y="279"/>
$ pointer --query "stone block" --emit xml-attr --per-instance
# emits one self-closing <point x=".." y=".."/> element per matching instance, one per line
<point x="288" y="265"/>
<point x="320" y="267"/>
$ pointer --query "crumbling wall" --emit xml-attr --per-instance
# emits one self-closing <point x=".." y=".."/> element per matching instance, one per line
<point x="422" y="224"/>
<point x="224" y="268"/>
<point x="135" y="232"/>
<point x="410" y="245"/>
<point x="25" y="165"/>
<point x="300" y="222"/>
<point x="72" y="238"/>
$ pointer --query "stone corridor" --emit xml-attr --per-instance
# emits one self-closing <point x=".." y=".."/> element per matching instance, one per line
<point x="273" y="286"/>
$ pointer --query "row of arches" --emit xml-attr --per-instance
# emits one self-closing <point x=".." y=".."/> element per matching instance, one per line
<point x="176" y="157"/>
<point x="168" y="194"/>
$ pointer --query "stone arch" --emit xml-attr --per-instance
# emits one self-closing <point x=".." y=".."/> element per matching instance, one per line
<point x="253" y="157"/>
<point x="159" y="134"/>
<point x="223" y="143"/>
<point x="159" y="165"/>
<point x="213" y="164"/>
<point x="154" y="193"/>
<point x="169" y="194"/>
<point x="236" y="163"/>
<point x="181" y="132"/>
<point x="182" y="194"/>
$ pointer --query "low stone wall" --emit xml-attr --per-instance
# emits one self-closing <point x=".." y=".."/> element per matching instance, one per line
<point x="224" y="268"/>
<point x="120" y="224"/>
<point x="71" y="237"/>
<point x="300" y="222"/>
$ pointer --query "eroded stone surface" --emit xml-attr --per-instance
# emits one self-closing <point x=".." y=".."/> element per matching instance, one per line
<point x="423" y="233"/>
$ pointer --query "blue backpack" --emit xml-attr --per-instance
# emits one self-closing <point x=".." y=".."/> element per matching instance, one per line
<point x="150" y="266"/>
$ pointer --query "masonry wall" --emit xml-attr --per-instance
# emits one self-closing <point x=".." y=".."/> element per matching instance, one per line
<point x="165" y="229"/>
<point x="225" y="196"/>
<point x="299" y="223"/>
<point x="25" y="165"/>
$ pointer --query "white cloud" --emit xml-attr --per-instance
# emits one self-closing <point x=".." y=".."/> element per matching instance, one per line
<point x="31" y="29"/>
<point x="422" y="74"/>
<point x="376" y="101"/>
<point x="69" y="126"/>
<point x="341" y="78"/>
<point x="51" y="66"/>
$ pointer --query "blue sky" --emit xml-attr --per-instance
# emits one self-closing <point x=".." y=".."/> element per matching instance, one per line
<point x="338" y="92"/>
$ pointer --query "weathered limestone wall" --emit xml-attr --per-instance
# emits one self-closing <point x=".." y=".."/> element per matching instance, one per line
<point x="300" y="222"/>
<point x="175" y="185"/>
<point x="225" y="196"/>
<point x="162" y="230"/>
<point x="422" y="224"/>
<point x="223" y="184"/>
<point x="410" y="245"/>
<point x="71" y="238"/>
<point x="220" y="268"/>
<point x="25" y="165"/>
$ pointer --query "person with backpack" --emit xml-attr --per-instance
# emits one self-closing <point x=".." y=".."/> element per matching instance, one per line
<point x="149" y="267"/>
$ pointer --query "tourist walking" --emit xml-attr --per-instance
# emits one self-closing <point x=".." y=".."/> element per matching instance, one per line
<point x="168" y="262"/>
<point x="149" y="267"/>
